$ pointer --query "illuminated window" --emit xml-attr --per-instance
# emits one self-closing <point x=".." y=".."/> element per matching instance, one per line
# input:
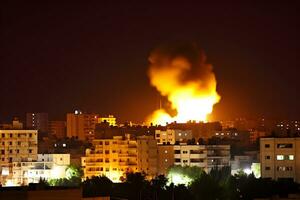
<point x="289" y="145"/>
<point x="179" y="134"/>
<point x="166" y="160"/>
<point x="166" y="151"/>
<point x="291" y="157"/>
<point x="280" y="157"/>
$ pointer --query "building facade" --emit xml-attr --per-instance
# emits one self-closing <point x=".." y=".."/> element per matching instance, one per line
<point x="165" y="158"/>
<point x="280" y="158"/>
<point x="16" y="146"/>
<point x="147" y="156"/>
<point x="47" y="166"/>
<point x="38" y="121"/>
<point x="203" y="156"/>
<point x="58" y="128"/>
<point x="81" y="125"/>
<point x="171" y="136"/>
<point x="111" y="120"/>
<point x="111" y="157"/>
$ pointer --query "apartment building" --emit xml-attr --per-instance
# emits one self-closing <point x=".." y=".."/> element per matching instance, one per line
<point x="81" y="125"/>
<point x="165" y="158"/>
<point x="280" y="158"/>
<point x="16" y="146"/>
<point x="203" y="156"/>
<point x="147" y="156"/>
<point x="47" y="166"/>
<point x="110" y="119"/>
<point x="171" y="136"/>
<point x="111" y="157"/>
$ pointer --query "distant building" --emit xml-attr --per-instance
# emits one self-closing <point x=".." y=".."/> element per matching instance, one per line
<point x="256" y="134"/>
<point x="280" y="158"/>
<point x="111" y="120"/>
<point x="171" y="136"/>
<point x="81" y="125"/>
<point x="147" y="155"/>
<point x="16" y="146"/>
<point x="37" y="121"/>
<point x="57" y="128"/>
<point x="165" y="158"/>
<point x="47" y="166"/>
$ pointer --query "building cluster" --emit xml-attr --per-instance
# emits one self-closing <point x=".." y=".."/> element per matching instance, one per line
<point x="44" y="149"/>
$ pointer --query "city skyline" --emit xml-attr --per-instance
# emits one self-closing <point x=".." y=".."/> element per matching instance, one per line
<point x="94" y="57"/>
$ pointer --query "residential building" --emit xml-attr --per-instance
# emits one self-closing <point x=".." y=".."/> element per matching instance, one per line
<point x="111" y="120"/>
<point x="147" y="156"/>
<point x="47" y="166"/>
<point x="203" y="156"/>
<point x="171" y="136"/>
<point x="111" y="157"/>
<point x="280" y="158"/>
<point x="57" y="128"/>
<point x="81" y="125"/>
<point x="38" y="121"/>
<point x="165" y="158"/>
<point x="16" y="146"/>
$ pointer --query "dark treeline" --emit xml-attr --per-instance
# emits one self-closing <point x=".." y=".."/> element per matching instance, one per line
<point x="218" y="184"/>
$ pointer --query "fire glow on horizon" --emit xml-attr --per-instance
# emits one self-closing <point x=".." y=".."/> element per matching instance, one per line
<point x="181" y="74"/>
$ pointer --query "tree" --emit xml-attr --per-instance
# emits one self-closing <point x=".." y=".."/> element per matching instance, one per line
<point x="97" y="186"/>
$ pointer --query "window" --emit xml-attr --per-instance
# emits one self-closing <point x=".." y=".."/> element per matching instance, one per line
<point x="291" y="157"/>
<point x="106" y="160"/>
<point x="184" y="152"/>
<point x="166" y="160"/>
<point x="106" y="151"/>
<point x="106" y="142"/>
<point x="177" y="160"/>
<point x="267" y="145"/>
<point x="288" y="145"/>
<point x="267" y="157"/>
<point x="280" y="157"/>
<point x="185" y="161"/>
<point x="30" y="134"/>
<point x="267" y="168"/>
<point x="2" y="152"/>
<point x="157" y="135"/>
<point x="107" y="169"/>
<point x="30" y="150"/>
<point x="166" y="151"/>
<point x="18" y="151"/>
<point x="10" y="135"/>
<point x="10" y="151"/>
<point x="3" y="135"/>
<point x="19" y="143"/>
<point x="177" y="151"/>
<point x="10" y="143"/>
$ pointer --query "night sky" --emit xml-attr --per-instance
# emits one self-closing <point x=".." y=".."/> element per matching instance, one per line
<point x="57" y="57"/>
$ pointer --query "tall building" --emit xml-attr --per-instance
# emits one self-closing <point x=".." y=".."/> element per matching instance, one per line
<point x="111" y="120"/>
<point x="16" y="146"/>
<point x="57" y="128"/>
<point x="171" y="136"/>
<point x="280" y="158"/>
<point x="38" y="121"/>
<point x="147" y="155"/>
<point x="81" y="125"/>
<point x="111" y="157"/>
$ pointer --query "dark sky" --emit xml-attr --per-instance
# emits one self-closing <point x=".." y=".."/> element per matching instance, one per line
<point x="57" y="57"/>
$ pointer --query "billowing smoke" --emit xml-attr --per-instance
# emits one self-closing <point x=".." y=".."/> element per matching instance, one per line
<point x="180" y="73"/>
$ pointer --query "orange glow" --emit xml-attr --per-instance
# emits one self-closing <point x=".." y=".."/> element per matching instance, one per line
<point x="193" y="99"/>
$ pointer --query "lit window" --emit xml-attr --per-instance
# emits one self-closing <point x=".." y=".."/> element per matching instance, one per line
<point x="64" y="145"/>
<point x="280" y="157"/>
<point x="217" y="133"/>
<point x="166" y="151"/>
<point x="166" y="160"/>
<point x="291" y="157"/>
<point x="179" y="134"/>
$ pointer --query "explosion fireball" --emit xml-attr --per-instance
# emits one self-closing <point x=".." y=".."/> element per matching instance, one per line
<point x="180" y="73"/>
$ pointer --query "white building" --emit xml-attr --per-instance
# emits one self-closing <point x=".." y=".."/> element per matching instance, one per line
<point x="47" y="166"/>
<point x="203" y="156"/>
<point x="171" y="136"/>
<point x="280" y="158"/>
